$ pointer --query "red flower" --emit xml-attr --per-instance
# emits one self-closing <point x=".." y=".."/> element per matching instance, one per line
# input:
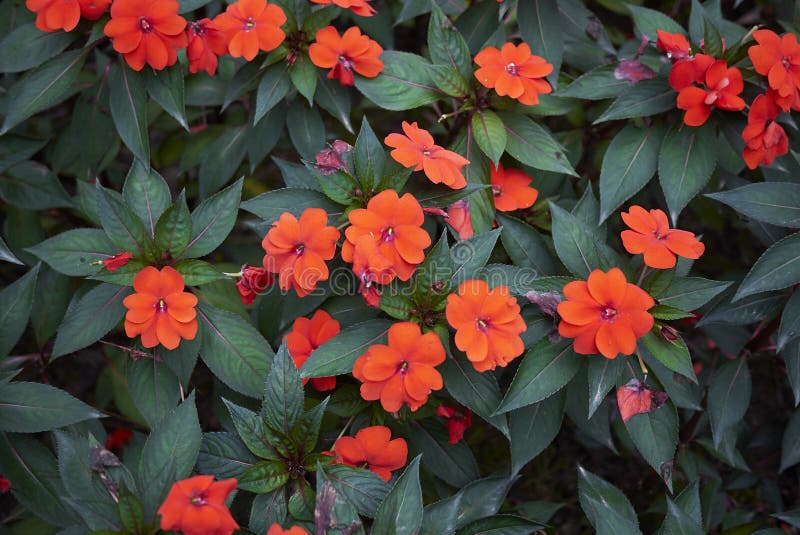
<point x="359" y="7"/>
<point x="250" y="26"/>
<point x="764" y="138"/>
<point x="343" y="55"/>
<point x="118" y="438"/>
<point x="372" y="449"/>
<point x="5" y="484"/>
<point x="371" y="268"/>
<point x="117" y="261"/>
<point x="276" y="529"/>
<point x="196" y="506"/>
<point x="305" y="337"/>
<point x="458" y="421"/>
<point x="253" y="282"/>
<point x="458" y="217"/>
<point x="147" y="31"/>
<point x="514" y="71"/>
<point x="723" y="86"/>
<point x="206" y="43"/>
<point x="417" y="150"/>
<point x="778" y="58"/>
<point x="635" y="398"/>
<point x="652" y="236"/>
<point x="690" y="70"/>
<point x="511" y="189"/>
<point x="675" y="45"/>
<point x="93" y="9"/>
<point x="54" y="15"/>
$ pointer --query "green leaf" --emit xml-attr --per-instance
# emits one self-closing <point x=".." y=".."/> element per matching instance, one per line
<point x="122" y="225"/>
<point x="197" y="272"/>
<point x="678" y="521"/>
<point x="267" y="509"/>
<point x="335" y="99"/>
<point x="646" y="98"/>
<point x="745" y="311"/>
<point x="490" y="134"/>
<point x="223" y="455"/>
<point x="608" y="509"/>
<point x="541" y="27"/>
<point x="223" y="157"/>
<point x="35" y="407"/>
<point x="685" y="164"/>
<point x="75" y="251"/>
<point x="671" y="353"/>
<point x="431" y="280"/>
<point x="363" y="488"/>
<point x="532" y="145"/>
<point x="728" y="397"/>
<point x="128" y="102"/>
<point x="264" y="476"/>
<point x="369" y="157"/>
<point x="89" y="318"/>
<point x="501" y="525"/>
<point x="44" y="87"/>
<point x="174" y="228"/>
<point x="655" y="435"/>
<point x="482" y="498"/>
<point x="452" y="463"/>
<point x="334" y="513"/>
<point x="628" y="165"/>
<point x="478" y="23"/>
<point x="713" y="44"/>
<point x="337" y="355"/>
<point x="130" y="511"/>
<point x="690" y="293"/>
<point x="122" y="276"/>
<point x="449" y="80"/>
<point x="401" y="512"/>
<point x="17" y="299"/>
<point x="790" y="446"/>
<point x="263" y="137"/>
<point x="270" y="205"/>
<point x="533" y="428"/>
<point x="525" y="246"/>
<point x="234" y="350"/>
<point x="252" y="431"/>
<point x="776" y="203"/>
<point x="283" y="395"/>
<point x="32" y="186"/>
<point x="777" y="268"/>
<point x="272" y="88"/>
<point x="6" y="255"/>
<point x="575" y="247"/>
<point x="439" y="518"/>
<point x="154" y="389"/>
<point x="544" y="370"/>
<point x="146" y="192"/>
<point x="404" y="83"/>
<point x="469" y="256"/>
<point x="27" y="47"/>
<point x="790" y="321"/>
<point x="50" y="301"/>
<point x="213" y="220"/>
<point x="597" y="84"/>
<point x="602" y="375"/>
<point x="446" y="46"/>
<point x="306" y="129"/>
<point x="303" y="74"/>
<point x="647" y="21"/>
<point x="166" y="88"/>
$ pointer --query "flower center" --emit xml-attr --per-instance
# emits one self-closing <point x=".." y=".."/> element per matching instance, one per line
<point x="496" y="191"/>
<point x="512" y="69"/>
<point x="198" y="498"/>
<point x="786" y="62"/>
<point x="482" y="324"/>
<point x="608" y="313"/>
<point x="145" y="25"/>
<point x="197" y="28"/>
<point x="345" y="62"/>
<point x="658" y="235"/>
<point x="249" y="24"/>
<point x="300" y="249"/>
<point x="426" y="152"/>
<point x="387" y="234"/>
<point x="161" y="306"/>
<point x="403" y="368"/>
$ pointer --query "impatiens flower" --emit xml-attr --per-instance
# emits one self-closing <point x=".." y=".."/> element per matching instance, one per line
<point x="329" y="160"/>
<point x="343" y="55"/>
<point x="675" y="45"/>
<point x="147" y="32"/>
<point x="688" y="71"/>
<point x="372" y="449"/>
<point x="635" y="398"/>
<point x="54" y="15"/>
<point x="297" y="250"/>
<point x="605" y="314"/>
<point x="458" y="421"/>
<point x="371" y="268"/>
<point x="117" y="261"/>
<point x="196" y="506"/>
<point x="306" y="336"/>
<point x="402" y="371"/>
<point x="160" y="310"/>
<point x="722" y="88"/>
<point x="395" y="225"/>
<point x="5" y="484"/>
<point x="652" y="236"/>
<point x="417" y="150"/>
<point x="93" y="9"/>
<point x="206" y="43"/>
<point x="511" y="189"/>
<point x="359" y="7"/>
<point x="253" y="282"/>
<point x="778" y="58"/>
<point x="487" y="323"/>
<point x="118" y="438"/>
<point x="514" y="71"/>
<point x="276" y="529"/>
<point x="250" y="26"/>
<point x="458" y="217"/>
<point x="764" y="138"/>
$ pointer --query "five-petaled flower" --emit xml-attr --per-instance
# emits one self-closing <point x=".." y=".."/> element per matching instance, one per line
<point x="511" y="189"/>
<point x="417" y="150"/>
<point x="253" y="282"/>
<point x="404" y="371"/>
<point x="196" y="506"/>
<point x="650" y="234"/>
<point x="487" y="323"/>
<point x="147" y="32"/>
<point x="305" y="337"/>
<point x="514" y="71"/>
<point x="276" y="529"/>
<point x="458" y="420"/>
<point x="250" y="26"/>
<point x="359" y="7"/>
<point x="54" y="15"/>
<point x="764" y="138"/>
<point x="116" y="261"/>
<point x="343" y="55"/>
<point x="297" y="249"/>
<point x="206" y="43"/>
<point x="722" y="88"/>
<point x="372" y="449"/>
<point x="605" y="314"/>
<point x="160" y="310"/>
<point x="778" y="58"/>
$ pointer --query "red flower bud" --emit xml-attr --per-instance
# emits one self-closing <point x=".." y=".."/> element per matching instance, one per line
<point x="253" y="282"/>
<point x="4" y="484"/>
<point x="458" y="421"/>
<point x="117" y="261"/>
<point x="118" y="438"/>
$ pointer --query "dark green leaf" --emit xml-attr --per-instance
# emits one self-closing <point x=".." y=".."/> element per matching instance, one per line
<point x="334" y="99"/>
<point x="32" y="186"/>
<point x="27" y="47"/>
<point x="122" y="225"/>
<point x="532" y="145"/>
<point x="17" y="299"/>
<point x="146" y="192"/>
<point x="267" y="509"/>
<point x="790" y="321"/>
<point x="470" y="255"/>
<point x="597" y="84"/>
<point x="223" y="455"/>
<point x="403" y="84"/>
<point x="446" y="46"/>
<point x="174" y="228"/>
<point x="400" y="513"/>
<point x="154" y="389"/>
<point x="128" y="101"/>
<point x="283" y="395"/>
<point x="690" y="293"/>
<point x="728" y="396"/>
<point x="337" y="355"/>
<point x="602" y="375"/>
<point x="369" y="157"/>
<point x="223" y="157"/>
<point x="541" y="27"/>
<point x="533" y="428"/>
<point x="525" y="246"/>
<point x="303" y="74"/>
<point x="270" y="205"/>
<point x="452" y="463"/>
<point x="671" y="353"/>
<point x="790" y="447"/>
<point x="264" y="476"/>
<point x="166" y="88"/>
<point x="777" y="268"/>
<point x="648" y="20"/>
<point x="490" y="134"/>
<point x="34" y="407"/>
<point x="272" y="88"/>
<point x="306" y="129"/>
<point x="655" y="435"/>
<point x="776" y="203"/>
<point x="213" y="220"/>
<point x="197" y="272"/>
<point x="449" y="80"/>
<point x="608" y="509"/>
<point x="501" y="525"/>
<point x="646" y="98"/>
<point x="363" y="488"/>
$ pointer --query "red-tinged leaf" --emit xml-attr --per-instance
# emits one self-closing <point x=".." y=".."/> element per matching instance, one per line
<point x="635" y="398"/>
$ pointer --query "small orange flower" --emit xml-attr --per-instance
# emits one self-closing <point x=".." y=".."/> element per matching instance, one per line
<point x="371" y="268"/>
<point x="196" y="506"/>
<point x="160" y="310"/>
<point x="54" y="15"/>
<point x="117" y="261"/>
<point x="605" y="314"/>
<point x="690" y="70"/>
<point x="764" y="138"/>
<point x="93" y="9"/>
<point x="372" y="449"/>
<point x="297" y="250"/>
<point x="206" y="43"/>
<point x="359" y="7"/>
<point x="250" y="26"/>
<point x="459" y="219"/>
<point x="276" y="529"/>
<point x="343" y="55"/>
<point x="511" y="189"/>
<point x="305" y="337"/>
<point x="395" y="225"/>
<point x="723" y="86"/>
<point x="147" y="32"/>
<point x="487" y="324"/>
<point x="652" y="236"/>
<point x="403" y="371"/>
<point x="675" y="45"/>
<point x="778" y="58"/>
<point x="514" y="71"/>
<point x="253" y="282"/>
<point x="417" y="150"/>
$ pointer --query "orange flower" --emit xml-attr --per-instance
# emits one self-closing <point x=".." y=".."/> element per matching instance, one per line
<point x="371" y="268"/>
<point x="343" y="55"/>
<point x="93" y="9"/>
<point x="147" y="31"/>
<point x="652" y="236"/>
<point x="458" y="217"/>
<point x="206" y="42"/>
<point x="372" y="449"/>
<point x="723" y="86"/>
<point x="511" y="189"/>
<point x="487" y="324"/>
<point x="250" y="26"/>
<point x="764" y="138"/>
<point x="160" y="310"/>
<point x="675" y="45"/>
<point x="306" y="336"/>
<point x="359" y="7"/>
<point x="605" y="315"/>
<point x="196" y="506"/>
<point x="276" y="529"/>
<point x="117" y="261"/>
<point x="394" y="224"/>
<point x="403" y="371"/>
<point x="635" y="398"/>
<point x="689" y="71"/>
<point x="417" y="150"/>
<point x="778" y="58"/>
<point x="54" y="15"/>
<point x="514" y="71"/>
<point x="297" y="250"/>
